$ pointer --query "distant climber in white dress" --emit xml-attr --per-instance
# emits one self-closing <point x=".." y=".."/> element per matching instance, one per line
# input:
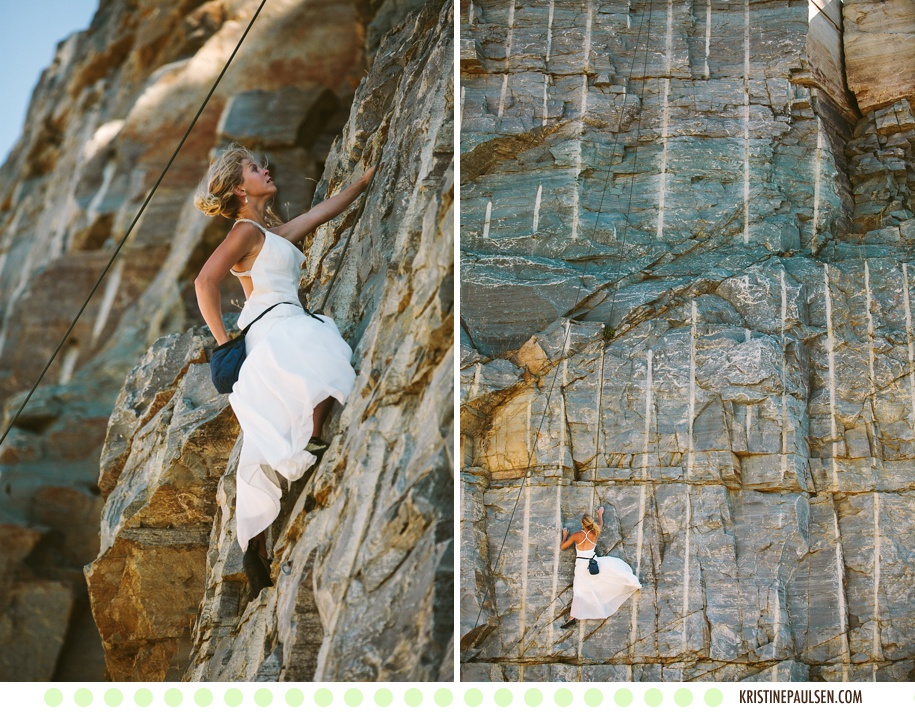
<point x="596" y="595"/>
<point x="297" y="363"/>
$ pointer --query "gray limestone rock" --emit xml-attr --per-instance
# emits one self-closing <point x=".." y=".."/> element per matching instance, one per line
<point x="729" y="239"/>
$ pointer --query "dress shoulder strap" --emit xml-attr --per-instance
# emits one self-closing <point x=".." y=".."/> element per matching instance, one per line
<point x="586" y="531"/>
<point x="259" y="227"/>
<point x="256" y="224"/>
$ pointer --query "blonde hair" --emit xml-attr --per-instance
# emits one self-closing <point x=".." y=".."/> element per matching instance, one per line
<point x="588" y="523"/>
<point x="216" y="195"/>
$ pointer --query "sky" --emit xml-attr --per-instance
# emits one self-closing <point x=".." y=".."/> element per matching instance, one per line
<point x="29" y="33"/>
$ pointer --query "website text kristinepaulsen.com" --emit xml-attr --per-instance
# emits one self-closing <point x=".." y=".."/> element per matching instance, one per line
<point x="807" y="697"/>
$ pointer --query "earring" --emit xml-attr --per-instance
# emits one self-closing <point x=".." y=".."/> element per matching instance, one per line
<point x="246" y="200"/>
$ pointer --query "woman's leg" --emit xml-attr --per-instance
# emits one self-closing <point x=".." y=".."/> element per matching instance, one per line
<point x="319" y="415"/>
<point x="256" y="569"/>
<point x="260" y="541"/>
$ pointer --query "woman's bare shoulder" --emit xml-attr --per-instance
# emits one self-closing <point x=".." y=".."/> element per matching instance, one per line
<point x="244" y="234"/>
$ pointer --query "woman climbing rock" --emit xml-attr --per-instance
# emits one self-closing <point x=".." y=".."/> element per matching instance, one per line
<point x="600" y="594"/>
<point x="297" y="364"/>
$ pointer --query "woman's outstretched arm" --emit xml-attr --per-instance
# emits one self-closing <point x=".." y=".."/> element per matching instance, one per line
<point x="242" y="239"/>
<point x="567" y="540"/>
<point x="297" y="228"/>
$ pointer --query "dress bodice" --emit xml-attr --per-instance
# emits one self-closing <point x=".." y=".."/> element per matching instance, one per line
<point x="589" y="550"/>
<point x="274" y="275"/>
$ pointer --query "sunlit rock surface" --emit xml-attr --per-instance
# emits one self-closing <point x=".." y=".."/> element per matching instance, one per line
<point x="685" y="297"/>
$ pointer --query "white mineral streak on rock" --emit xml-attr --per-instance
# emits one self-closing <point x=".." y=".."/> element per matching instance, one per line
<point x="669" y="38"/>
<point x="784" y="369"/>
<point x="529" y="437"/>
<point x="708" y="35"/>
<point x="549" y="32"/>
<point x="662" y="189"/>
<point x="112" y="285"/>
<point x="776" y="625"/>
<point x="511" y="31"/>
<point x="649" y="405"/>
<point x="71" y="354"/>
<point x="643" y="488"/>
<point x="487" y="218"/>
<point x="546" y="95"/>
<point x="525" y="554"/>
<point x="475" y="387"/>
<point x="537" y="208"/>
<point x="749" y="419"/>
<point x="746" y="122"/>
<point x="600" y="413"/>
<point x="831" y="355"/>
<point x="875" y="649"/>
<point x="576" y="205"/>
<point x="557" y="555"/>
<point x="910" y="338"/>
<point x="108" y="173"/>
<point x="587" y="42"/>
<point x="870" y="335"/>
<point x="817" y="182"/>
<point x="502" y="94"/>
<point x="842" y="596"/>
<point x="563" y="419"/>
<point x="690" y="461"/>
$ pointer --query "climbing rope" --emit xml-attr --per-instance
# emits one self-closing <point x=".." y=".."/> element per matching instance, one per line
<point x="472" y="642"/>
<point x="132" y="225"/>
<point x="365" y="194"/>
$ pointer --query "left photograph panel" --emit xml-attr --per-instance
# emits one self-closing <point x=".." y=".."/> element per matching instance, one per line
<point x="227" y="344"/>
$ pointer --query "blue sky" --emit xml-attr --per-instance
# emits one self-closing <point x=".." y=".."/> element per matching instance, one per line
<point x="29" y="33"/>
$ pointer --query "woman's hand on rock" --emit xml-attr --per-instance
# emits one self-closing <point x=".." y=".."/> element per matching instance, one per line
<point x="366" y="177"/>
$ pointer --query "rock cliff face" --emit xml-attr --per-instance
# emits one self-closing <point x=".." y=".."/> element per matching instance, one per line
<point x="686" y="297"/>
<point x="166" y="586"/>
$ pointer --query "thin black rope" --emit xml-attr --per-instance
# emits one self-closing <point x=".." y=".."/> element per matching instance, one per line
<point x="581" y="284"/>
<point x="132" y="225"/>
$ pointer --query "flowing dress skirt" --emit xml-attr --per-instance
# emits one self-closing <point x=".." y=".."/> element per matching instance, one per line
<point x="599" y="596"/>
<point x="293" y="363"/>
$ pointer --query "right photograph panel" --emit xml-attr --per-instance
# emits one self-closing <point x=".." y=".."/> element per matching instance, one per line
<point x="687" y="353"/>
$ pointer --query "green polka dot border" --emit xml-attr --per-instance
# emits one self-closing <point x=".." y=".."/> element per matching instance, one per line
<point x="372" y="696"/>
<point x="623" y="697"/>
<point x="203" y="697"/>
<point x="713" y="697"/>
<point x="82" y="697"/>
<point x="53" y="697"/>
<point x="563" y="697"/>
<point x="143" y="697"/>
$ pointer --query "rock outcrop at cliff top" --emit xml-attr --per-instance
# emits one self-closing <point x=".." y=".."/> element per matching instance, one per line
<point x="104" y="120"/>
<point x="717" y="349"/>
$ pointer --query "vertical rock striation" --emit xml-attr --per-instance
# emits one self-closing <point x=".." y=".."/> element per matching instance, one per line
<point x="685" y="297"/>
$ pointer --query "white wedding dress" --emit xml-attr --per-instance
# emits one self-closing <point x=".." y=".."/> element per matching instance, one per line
<point x="600" y="595"/>
<point x="294" y="361"/>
